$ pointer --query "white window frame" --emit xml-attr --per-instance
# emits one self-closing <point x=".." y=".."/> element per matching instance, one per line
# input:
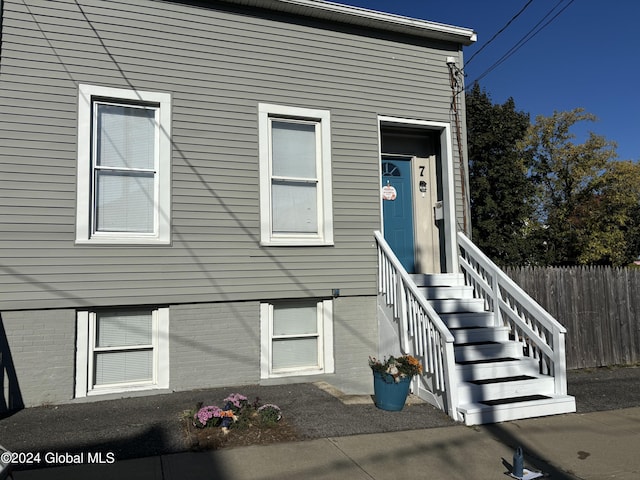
<point x="325" y="364"/>
<point x="322" y="119"/>
<point x="85" y="213"/>
<point x="85" y="354"/>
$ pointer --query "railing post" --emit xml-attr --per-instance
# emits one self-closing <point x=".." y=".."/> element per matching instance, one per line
<point x="450" y="380"/>
<point x="402" y="312"/>
<point x="495" y="288"/>
<point x="559" y="362"/>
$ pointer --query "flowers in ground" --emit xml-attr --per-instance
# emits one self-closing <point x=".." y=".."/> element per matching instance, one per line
<point x="398" y="367"/>
<point x="237" y="411"/>
<point x="236" y="401"/>
<point x="269" y="413"/>
<point x="210" y="414"/>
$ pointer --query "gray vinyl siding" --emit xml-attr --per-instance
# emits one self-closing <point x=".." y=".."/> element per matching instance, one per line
<point x="205" y="355"/>
<point x="218" y="65"/>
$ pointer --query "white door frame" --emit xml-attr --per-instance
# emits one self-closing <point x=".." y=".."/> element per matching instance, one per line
<point x="448" y="182"/>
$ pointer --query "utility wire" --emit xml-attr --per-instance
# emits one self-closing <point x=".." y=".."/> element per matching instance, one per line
<point x="499" y="32"/>
<point x="523" y="41"/>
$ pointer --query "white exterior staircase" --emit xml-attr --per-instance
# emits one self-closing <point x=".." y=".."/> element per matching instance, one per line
<point x="496" y="382"/>
<point x="489" y="352"/>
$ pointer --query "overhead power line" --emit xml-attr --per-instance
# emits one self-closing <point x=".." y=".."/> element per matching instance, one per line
<point x="499" y="31"/>
<point x="524" y="40"/>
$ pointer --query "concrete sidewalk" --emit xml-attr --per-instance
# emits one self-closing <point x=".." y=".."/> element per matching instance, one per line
<point x="599" y="445"/>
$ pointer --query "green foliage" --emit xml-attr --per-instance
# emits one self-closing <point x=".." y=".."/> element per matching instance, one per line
<point x="609" y="221"/>
<point x="586" y="200"/>
<point x="538" y="197"/>
<point x="500" y="190"/>
<point x="269" y="414"/>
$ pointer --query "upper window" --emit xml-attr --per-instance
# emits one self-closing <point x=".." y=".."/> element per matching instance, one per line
<point x="124" y="165"/>
<point x="295" y="176"/>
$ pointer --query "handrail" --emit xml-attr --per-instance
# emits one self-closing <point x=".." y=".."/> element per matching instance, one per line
<point x="423" y="333"/>
<point x="542" y="336"/>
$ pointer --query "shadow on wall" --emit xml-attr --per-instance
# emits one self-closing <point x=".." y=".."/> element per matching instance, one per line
<point x="11" y="398"/>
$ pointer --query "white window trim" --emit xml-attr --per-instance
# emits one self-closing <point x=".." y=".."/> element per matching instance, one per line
<point x="325" y="202"/>
<point x="84" y="357"/>
<point x="162" y="187"/>
<point x="325" y="343"/>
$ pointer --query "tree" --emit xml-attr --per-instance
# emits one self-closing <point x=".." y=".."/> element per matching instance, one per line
<point x="586" y="201"/>
<point x="610" y="220"/>
<point x="500" y="191"/>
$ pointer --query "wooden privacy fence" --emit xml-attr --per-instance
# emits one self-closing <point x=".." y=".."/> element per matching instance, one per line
<point x="599" y="307"/>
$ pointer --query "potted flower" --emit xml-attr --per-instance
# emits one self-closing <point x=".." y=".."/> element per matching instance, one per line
<point x="391" y="380"/>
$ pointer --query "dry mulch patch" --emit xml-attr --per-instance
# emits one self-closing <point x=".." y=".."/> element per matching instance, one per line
<point x="251" y="425"/>
<point x="214" y="438"/>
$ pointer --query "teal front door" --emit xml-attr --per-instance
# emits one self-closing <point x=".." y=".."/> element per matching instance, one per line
<point x="397" y="209"/>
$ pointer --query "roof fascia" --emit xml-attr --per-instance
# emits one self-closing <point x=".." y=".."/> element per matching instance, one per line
<point x="367" y="18"/>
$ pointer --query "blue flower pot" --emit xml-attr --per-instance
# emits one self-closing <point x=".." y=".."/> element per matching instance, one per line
<point x="390" y="395"/>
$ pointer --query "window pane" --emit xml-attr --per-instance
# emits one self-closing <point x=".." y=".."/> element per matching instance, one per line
<point x="124" y="202"/>
<point x="126" y="137"/>
<point x="295" y="320"/>
<point x="294" y="149"/>
<point x="297" y="352"/>
<point x="127" y="366"/>
<point x="294" y="207"/>
<point x="119" y="330"/>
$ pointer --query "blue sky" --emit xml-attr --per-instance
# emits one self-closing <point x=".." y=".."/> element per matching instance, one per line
<point x="589" y="56"/>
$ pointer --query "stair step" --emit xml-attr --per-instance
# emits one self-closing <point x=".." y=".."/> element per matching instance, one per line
<point x="513" y="378"/>
<point x="490" y="350"/>
<point x="480" y="334"/>
<point x="505" y="388"/>
<point x="513" y="400"/>
<point x="438" y="279"/>
<point x="468" y="319"/>
<point x="497" y="368"/>
<point x="456" y="292"/>
<point x="458" y="305"/>
<point x="516" y="408"/>
<point x="487" y="361"/>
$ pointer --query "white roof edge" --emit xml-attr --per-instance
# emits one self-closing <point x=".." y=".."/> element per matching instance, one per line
<point x="370" y="18"/>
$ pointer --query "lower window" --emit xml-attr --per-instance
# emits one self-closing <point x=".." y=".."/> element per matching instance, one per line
<point x="122" y="350"/>
<point x="297" y="338"/>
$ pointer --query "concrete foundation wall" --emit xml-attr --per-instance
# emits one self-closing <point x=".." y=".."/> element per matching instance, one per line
<point x="210" y="345"/>
<point x="37" y="357"/>
<point x="355" y="339"/>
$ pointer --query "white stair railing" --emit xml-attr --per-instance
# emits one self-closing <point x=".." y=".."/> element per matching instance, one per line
<point x="541" y="336"/>
<point x="423" y="333"/>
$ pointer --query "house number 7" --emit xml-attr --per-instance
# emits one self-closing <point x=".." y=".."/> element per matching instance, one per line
<point x="422" y="171"/>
